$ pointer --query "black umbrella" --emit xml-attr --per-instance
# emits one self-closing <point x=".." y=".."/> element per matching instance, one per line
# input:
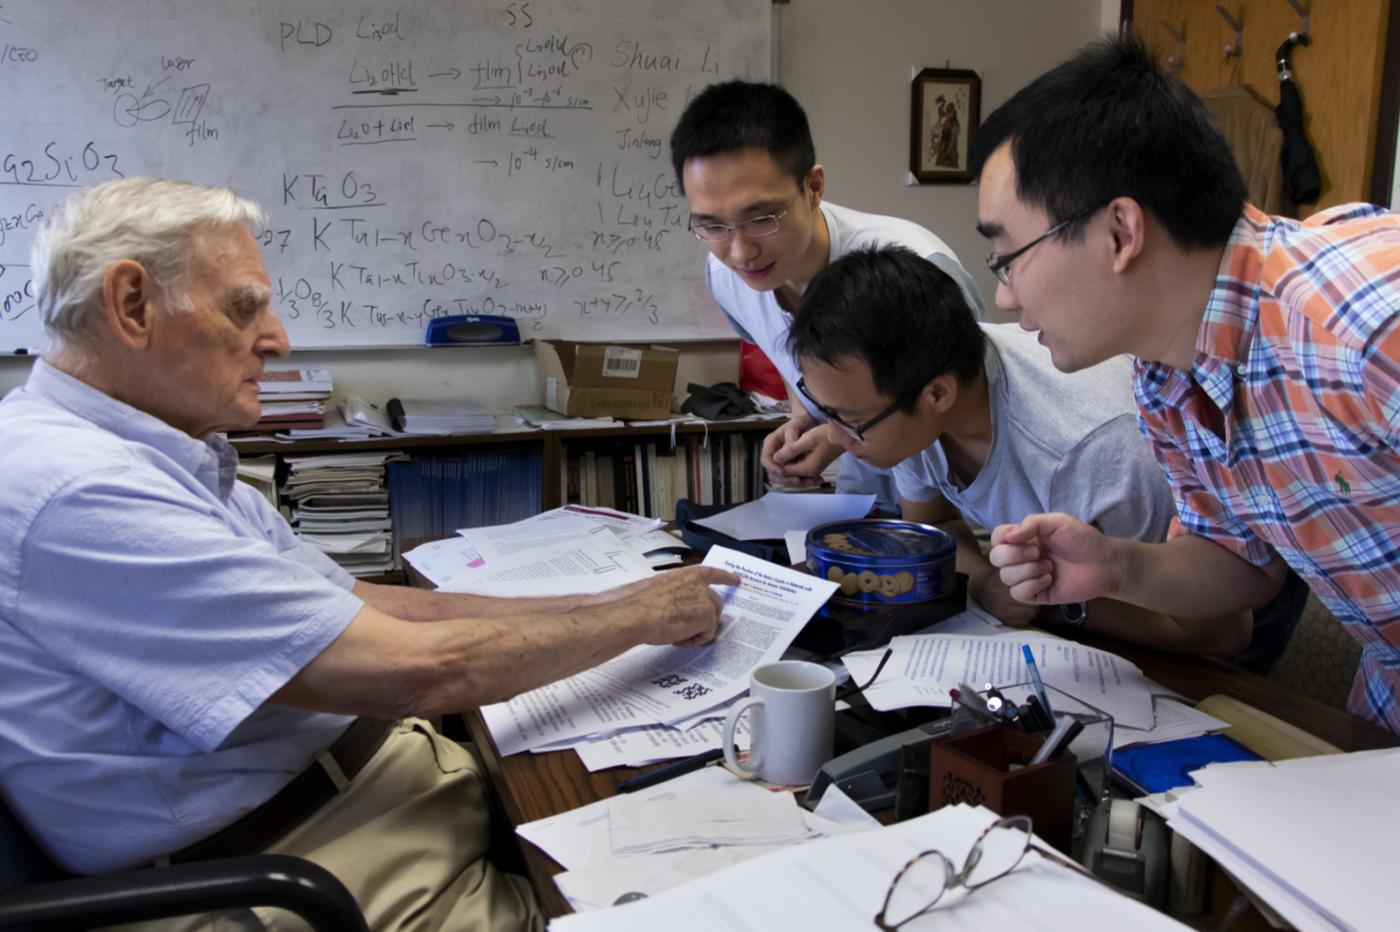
<point x="1301" y="181"/>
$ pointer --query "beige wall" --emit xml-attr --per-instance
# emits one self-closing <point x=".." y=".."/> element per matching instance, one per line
<point x="849" y="62"/>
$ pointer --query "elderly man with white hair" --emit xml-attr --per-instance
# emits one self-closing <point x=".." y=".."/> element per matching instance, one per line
<point x="181" y="678"/>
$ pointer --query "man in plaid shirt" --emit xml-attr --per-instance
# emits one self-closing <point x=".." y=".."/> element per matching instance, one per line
<point x="1268" y="354"/>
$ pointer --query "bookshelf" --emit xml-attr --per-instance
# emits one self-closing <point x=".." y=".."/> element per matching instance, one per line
<point x="557" y="449"/>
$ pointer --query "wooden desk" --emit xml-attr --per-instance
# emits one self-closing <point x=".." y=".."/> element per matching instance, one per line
<point x="533" y="786"/>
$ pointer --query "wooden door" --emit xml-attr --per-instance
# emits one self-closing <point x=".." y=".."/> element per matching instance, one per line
<point x="1338" y="74"/>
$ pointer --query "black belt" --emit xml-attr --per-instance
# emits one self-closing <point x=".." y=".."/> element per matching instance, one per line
<point x="309" y="790"/>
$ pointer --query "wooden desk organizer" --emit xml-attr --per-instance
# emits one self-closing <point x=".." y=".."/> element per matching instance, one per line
<point x="973" y="768"/>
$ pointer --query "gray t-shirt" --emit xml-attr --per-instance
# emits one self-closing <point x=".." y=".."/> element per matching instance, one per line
<point x="1060" y="442"/>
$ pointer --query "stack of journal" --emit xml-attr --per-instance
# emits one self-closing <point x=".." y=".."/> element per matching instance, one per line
<point x="293" y="399"/>
<point x="439" y="417"/>
<point x="339" y="505"/>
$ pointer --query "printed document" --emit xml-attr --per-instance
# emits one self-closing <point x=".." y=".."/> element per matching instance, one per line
<point x="659" y="685"/>
<point x="594" y="562"/>
<point x="923" y="667"/>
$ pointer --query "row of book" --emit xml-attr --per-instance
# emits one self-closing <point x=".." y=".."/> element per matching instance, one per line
<point x="433" y="496"/>
<point x="647" y="478"/>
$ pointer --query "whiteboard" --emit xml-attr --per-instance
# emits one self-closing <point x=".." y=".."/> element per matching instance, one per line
<point x="416" y="159"/>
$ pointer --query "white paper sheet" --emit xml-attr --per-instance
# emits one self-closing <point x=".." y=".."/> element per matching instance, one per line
<point x="730" y="816"/>
<point x="776" y="513"/>
<point x="636" y="747"/>
<point x="579" y="837"/>
<point x="622" y="523"/>
<point x="503" y="541"/>
<point x="839" y="884"/>
<point x="443" y="562"/>
<point x="661" y="685"/>
<point x="1174" y="719"/>
<point x="581" y="566"/>
<point x="1313" y="836"/>
<point x="796" y="546"/>
<point x="925" y="666"/>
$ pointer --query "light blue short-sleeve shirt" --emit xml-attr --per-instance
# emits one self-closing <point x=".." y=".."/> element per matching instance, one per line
<point x="149" y="606"/>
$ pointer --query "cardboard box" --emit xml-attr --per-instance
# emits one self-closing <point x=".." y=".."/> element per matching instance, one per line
<point x="606" y="379"/>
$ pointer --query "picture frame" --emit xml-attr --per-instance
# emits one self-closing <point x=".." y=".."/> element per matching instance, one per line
<point x="946" y="109"/>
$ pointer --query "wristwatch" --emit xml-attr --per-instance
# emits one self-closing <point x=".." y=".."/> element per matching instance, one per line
<point x="1073" y="614"/>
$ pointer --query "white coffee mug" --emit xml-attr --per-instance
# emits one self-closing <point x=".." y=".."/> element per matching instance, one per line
<point x="793" y="704"/>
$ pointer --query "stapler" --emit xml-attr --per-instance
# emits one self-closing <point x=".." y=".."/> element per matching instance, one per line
<point x="870" y="773"/>
<point x="472" y="330"/>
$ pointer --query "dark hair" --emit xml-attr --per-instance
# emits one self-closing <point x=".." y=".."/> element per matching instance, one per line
<point x="1108" y="123"/>
<point x="740" y="115"/>
<point x="898" y="312"/>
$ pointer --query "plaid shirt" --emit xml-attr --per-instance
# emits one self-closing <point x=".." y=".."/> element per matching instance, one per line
<point x="1284" y="435"/>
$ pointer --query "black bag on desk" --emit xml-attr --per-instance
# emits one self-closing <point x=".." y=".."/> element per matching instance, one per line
<point x="703" y="538"/>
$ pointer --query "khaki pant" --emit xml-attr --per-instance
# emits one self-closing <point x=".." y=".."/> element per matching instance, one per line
<point x="409" y="839"/>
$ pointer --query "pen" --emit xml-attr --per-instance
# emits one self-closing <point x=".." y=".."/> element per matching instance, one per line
<point x="665" y="772"/>
<point x="1035" y="678"/>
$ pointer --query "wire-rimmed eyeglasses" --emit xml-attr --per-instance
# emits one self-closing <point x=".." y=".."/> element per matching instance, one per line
<point x="923" y="880"/>
<point x="1000" y="264"/>
<point x="858" y="431"/>
<point x="712" y="231"/>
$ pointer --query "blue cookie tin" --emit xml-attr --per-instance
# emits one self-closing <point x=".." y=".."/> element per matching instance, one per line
<point x="883" y="561"/>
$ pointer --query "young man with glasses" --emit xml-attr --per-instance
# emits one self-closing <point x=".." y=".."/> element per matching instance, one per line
<point x="1268" y="354"/>
<point x="744" y="156"/>
<point x="980" y="428"/>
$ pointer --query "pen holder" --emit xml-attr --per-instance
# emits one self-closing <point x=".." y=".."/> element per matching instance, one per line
<point x="1093" y="747"/>
<point x="990" y="767"/>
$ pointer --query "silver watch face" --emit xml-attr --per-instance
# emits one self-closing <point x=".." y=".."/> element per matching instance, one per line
<point x="1074" y="613"/>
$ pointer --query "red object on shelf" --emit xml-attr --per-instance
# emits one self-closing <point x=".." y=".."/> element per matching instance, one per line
<point x="758" y="374"/>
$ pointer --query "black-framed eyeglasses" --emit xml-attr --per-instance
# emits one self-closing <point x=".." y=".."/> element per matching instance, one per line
<point x="858" y="431"/>
<point x="1000" y="264"/>
<point x="712" y="231"/>
<point x="922" y="881"/>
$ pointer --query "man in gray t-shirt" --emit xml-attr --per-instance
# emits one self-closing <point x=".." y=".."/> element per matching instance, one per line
<point x="981" y="429"/>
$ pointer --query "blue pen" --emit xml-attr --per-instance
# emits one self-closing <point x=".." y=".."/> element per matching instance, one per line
<point x="1035" y="678"/>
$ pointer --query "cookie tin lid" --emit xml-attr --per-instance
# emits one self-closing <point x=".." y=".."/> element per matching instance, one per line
<point x="880" y="541"/>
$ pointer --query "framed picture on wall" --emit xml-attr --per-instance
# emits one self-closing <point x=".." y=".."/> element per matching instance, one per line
<point x="946" y="108"/>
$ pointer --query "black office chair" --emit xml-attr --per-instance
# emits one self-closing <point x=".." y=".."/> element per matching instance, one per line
<point x="35" y="894"/>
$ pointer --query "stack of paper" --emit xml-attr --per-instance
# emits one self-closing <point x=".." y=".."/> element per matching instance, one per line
<point x="549" y="419"/>
<point x="581" y="840"/>
<point x="435" y="418"/>
<point x="340" y="506"/>
<point x="1312" y="837"/>
<point x="839" y="883"/>
<point x="699" y="820"/>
